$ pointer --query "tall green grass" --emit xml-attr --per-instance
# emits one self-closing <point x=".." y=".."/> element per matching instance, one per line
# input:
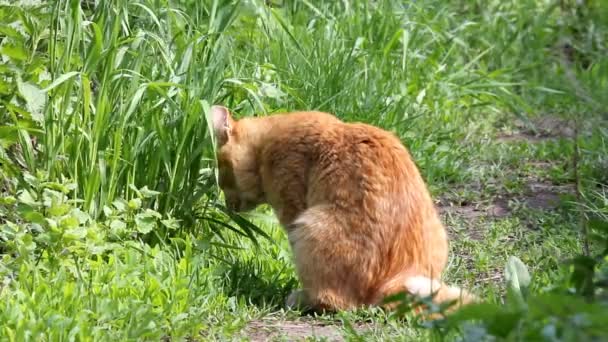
<point x="128" y="83"/>
<point x="125" y="91"/>
<point x="131" y="84"/>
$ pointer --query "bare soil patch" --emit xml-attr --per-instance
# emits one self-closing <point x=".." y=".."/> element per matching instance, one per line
<point x="472" y="211"/>
<point x="544" y="195"/>
<point x="272" y="329"/>
<point x="539" y="129"/>
<point x="538" y="195"/>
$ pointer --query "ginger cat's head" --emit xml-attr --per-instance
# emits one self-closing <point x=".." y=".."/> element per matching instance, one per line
<point x="239" y="176"/>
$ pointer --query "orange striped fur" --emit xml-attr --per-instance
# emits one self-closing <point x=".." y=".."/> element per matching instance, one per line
<point x="359" y="217"/>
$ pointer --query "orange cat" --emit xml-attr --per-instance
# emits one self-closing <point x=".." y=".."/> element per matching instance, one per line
<point x="360" y="220"/>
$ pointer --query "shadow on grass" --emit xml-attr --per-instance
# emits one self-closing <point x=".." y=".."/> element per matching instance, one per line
<point x="258" y="283"/>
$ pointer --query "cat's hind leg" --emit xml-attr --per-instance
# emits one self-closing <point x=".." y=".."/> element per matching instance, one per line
<point x="329" y="261"/>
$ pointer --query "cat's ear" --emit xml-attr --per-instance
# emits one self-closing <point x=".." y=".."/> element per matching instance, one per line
<point x="222" y="123"/>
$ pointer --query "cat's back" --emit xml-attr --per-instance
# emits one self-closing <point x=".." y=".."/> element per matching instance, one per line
<point x="355" y="148"/>
<point x="367" y="161"/>
<point x="316" y="128"/>
<point x="347" y="164"/>
<point x="363" y="150"/>
<point x="300" y="124"/>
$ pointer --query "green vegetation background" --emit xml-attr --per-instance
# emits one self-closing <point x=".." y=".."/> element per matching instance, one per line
<point x="111" y="224"/>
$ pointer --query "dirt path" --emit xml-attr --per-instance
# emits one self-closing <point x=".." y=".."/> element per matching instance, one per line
<point x="273" y="329"/>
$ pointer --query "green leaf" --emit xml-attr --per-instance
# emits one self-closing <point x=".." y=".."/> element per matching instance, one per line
<point x="270" y="91"/>
<point x="25" y="197"/>
<point x="145" y="223"/>
<point x="118" y="226"/>
<point x="516" y="274"/>
<point x="148" y="193"/>
<point x="583" y="274"/>
<point x="171" y="224"/>
<point x="107" y="211"/>
<point x="80" y="215"/>
<point x="6" y="88"/>
<point x="9" y="136"/>
<point x="144" y="192"/>
<point x="75" y="233"/>
<point x="135" y="98"/>
<point x="134" y="204"/>
<point x="504" y="322"/>
<point x="17" y="110"/>
<point x="518" y="281"/>
<point x="35" y="99"/>
<point x="15" y="52"/>
<point x="420" y="96"/>
<point x="56" y="186"/>
<point x="11" y="32"/>
<point x="120" y="205"/>
<point x="58" y="209"/>
<point x="98" y="249"/>
<point x="8" y="200"/>
<point x="499" y="320"/>
<point x="153" y="213"/>
<point x="601" y="226"/>
<point x="59" y="80"/>
<point x="476" y="311"/>
<point x="68" y="222"/>
<point x="31" y="215"/>
<point x="9" y="231"/>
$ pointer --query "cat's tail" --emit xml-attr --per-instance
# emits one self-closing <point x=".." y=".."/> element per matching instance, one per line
<point x="424" y="286"/>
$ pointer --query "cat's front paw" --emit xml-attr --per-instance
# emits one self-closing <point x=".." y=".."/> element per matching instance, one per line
<point x="296" y="300"/>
